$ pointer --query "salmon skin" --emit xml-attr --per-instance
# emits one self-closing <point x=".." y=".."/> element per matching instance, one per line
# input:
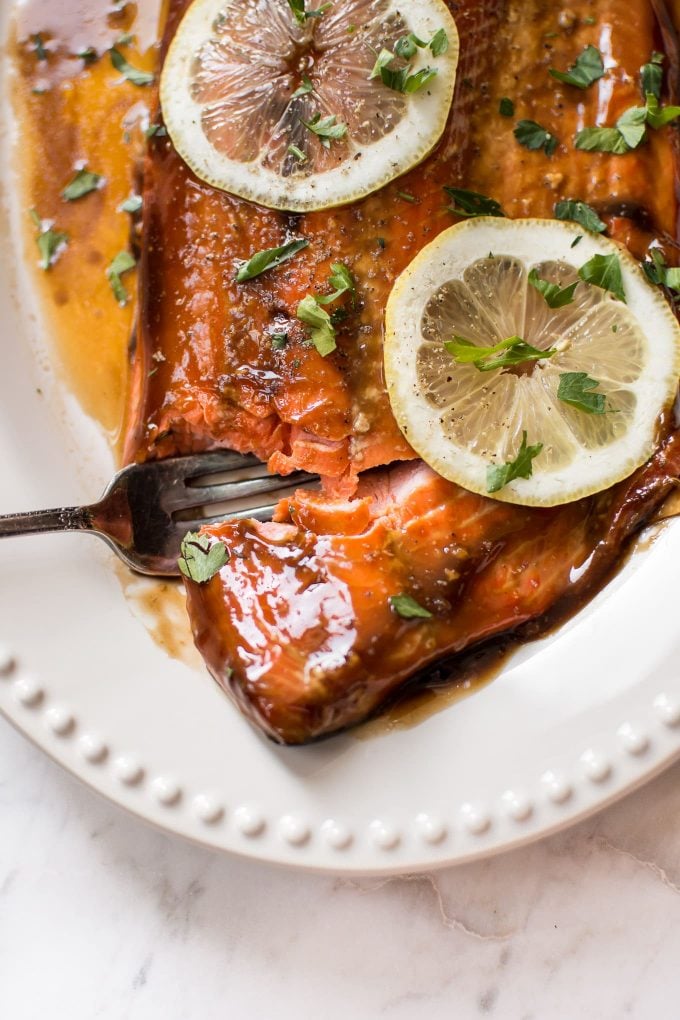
<point x="205" y="373"/>
<point x="299" y="625"/>
<point x="299" y="628"/>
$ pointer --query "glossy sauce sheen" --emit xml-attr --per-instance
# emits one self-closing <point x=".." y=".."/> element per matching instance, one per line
<point x="298" y="626"/>
<point x="217" y="380"/>
<point x="70" y="113"/>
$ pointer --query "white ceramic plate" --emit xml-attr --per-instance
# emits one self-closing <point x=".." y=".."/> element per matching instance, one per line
<point x="572" y="722"/>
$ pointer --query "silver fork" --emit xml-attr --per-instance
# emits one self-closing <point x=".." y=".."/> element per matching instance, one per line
<point x="147" y="509"/>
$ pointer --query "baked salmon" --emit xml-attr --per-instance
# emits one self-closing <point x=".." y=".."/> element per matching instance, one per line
<point x="205" y="374"/>
<point x="299" y="625"/>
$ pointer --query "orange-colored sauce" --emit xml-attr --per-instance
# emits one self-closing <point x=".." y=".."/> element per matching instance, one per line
<point x="72" y="112"/>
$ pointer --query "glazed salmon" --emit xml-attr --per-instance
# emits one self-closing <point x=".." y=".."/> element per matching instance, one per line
<point x="205" y="373"/>
<point x="298" y="626"/>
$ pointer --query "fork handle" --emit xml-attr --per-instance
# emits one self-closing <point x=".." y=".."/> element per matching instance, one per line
<point x="70" y="518"/>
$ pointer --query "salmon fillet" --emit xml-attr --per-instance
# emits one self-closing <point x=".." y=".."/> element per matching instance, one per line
<point x="298" y="624"/>
<point x="205" y="374"/>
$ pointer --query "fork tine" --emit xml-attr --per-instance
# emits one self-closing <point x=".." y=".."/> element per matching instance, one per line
<point x="258" y="513"/>
<point x="196" y="464"/>
<point x="234" y="490"/>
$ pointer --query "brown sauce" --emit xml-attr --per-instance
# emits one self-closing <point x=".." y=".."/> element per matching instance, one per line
<point x="444" y="686"/>
<point x="160" y="605"/>
<point x="74" y="112"/>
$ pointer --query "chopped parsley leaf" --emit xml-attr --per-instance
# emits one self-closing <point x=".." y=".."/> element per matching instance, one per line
<point x="651" y="76"/>
<point x="51" y="243"/>
<point x="512" y="351"/>
<point x="327" y="129"/>
<point x="304" y="89"/>
<point x="407" y="607"/>
<point x="604" y="271"/>
<point x="500" y="475"/>
<point x="133" y="204"/>
<point x="301" y="15"/>
<point x="82" y="184"/>
<point x="342" y="280"/>
<point x="575" y="389"/>
<point x="581" y="213"/>
<point x="270" y="258"/>
<point x="322" y="333"/>
<point x="133" y="74"/>
<point x="554" y="295"/>
<point x="587" y="69"/>
<point x="200" y="558"/>
<point x="471" y="203"/>
<point x="39" y="47"/>
<point x="532" y="136"/>
<point x="298" y="153"/>
<point x="122" y="263"/>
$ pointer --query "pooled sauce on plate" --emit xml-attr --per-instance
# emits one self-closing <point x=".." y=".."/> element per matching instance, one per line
<point x="77" y="111"/>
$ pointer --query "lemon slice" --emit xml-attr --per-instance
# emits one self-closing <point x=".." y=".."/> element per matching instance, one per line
<point x="473" y="282"/>
<point x="229" y="84"/>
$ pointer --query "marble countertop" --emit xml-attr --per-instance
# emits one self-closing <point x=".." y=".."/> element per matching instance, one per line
<point x="101" y="916"/>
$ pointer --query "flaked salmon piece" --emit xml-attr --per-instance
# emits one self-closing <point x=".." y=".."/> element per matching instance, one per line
<point x="205" y="373"/>
<point x="298" y="626"/>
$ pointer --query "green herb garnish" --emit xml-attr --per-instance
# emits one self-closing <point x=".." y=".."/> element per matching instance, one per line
<point x="384" y="58"/>
<point x="401" y="80"/>
<point x="132" y="204"/>
<point x="555" y="296"/>
<point x="604" y="271"/>
<point x="200" y="559"/>
<point x="51" y="243"/>
<point x="575" y="388"/>
<point x="155" y="131"/>
<point x="439" y="43"/>
<point x="322" y="333"/>
<point x="270" y="258"/>
<point x="658" y="272"/>
<point x="122" y="263"/>
<point x="532" y="136"/>
<point x="601" y="139"/>
<point x="659" y="116"/>
<point x="298" y="153"/>
<point x="82" y="184"/>
<point x="279" y="341"/>
<point x="579" y="212"/>
<point x="326" y="128"/>
<point x="498" y="476"/>
<point x="587" y="69"/>
<point x="304" y="89"/>
<point x="471" y="203"/>
<point x="133" y="74"/>
<point x="632" y="126"/>
<point x="39" y="48"/>
<point x="505" y="354"/>
<point x="651" y="76"/>
<point x="408" y="44"/>
<point x="407" y="607"/>
<point x="342" y="280"/>
<point x="301" y="15"/>
<point x="506" y="107"/>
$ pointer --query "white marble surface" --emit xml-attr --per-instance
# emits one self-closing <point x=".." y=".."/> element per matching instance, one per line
<point x="103" y="917"/>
